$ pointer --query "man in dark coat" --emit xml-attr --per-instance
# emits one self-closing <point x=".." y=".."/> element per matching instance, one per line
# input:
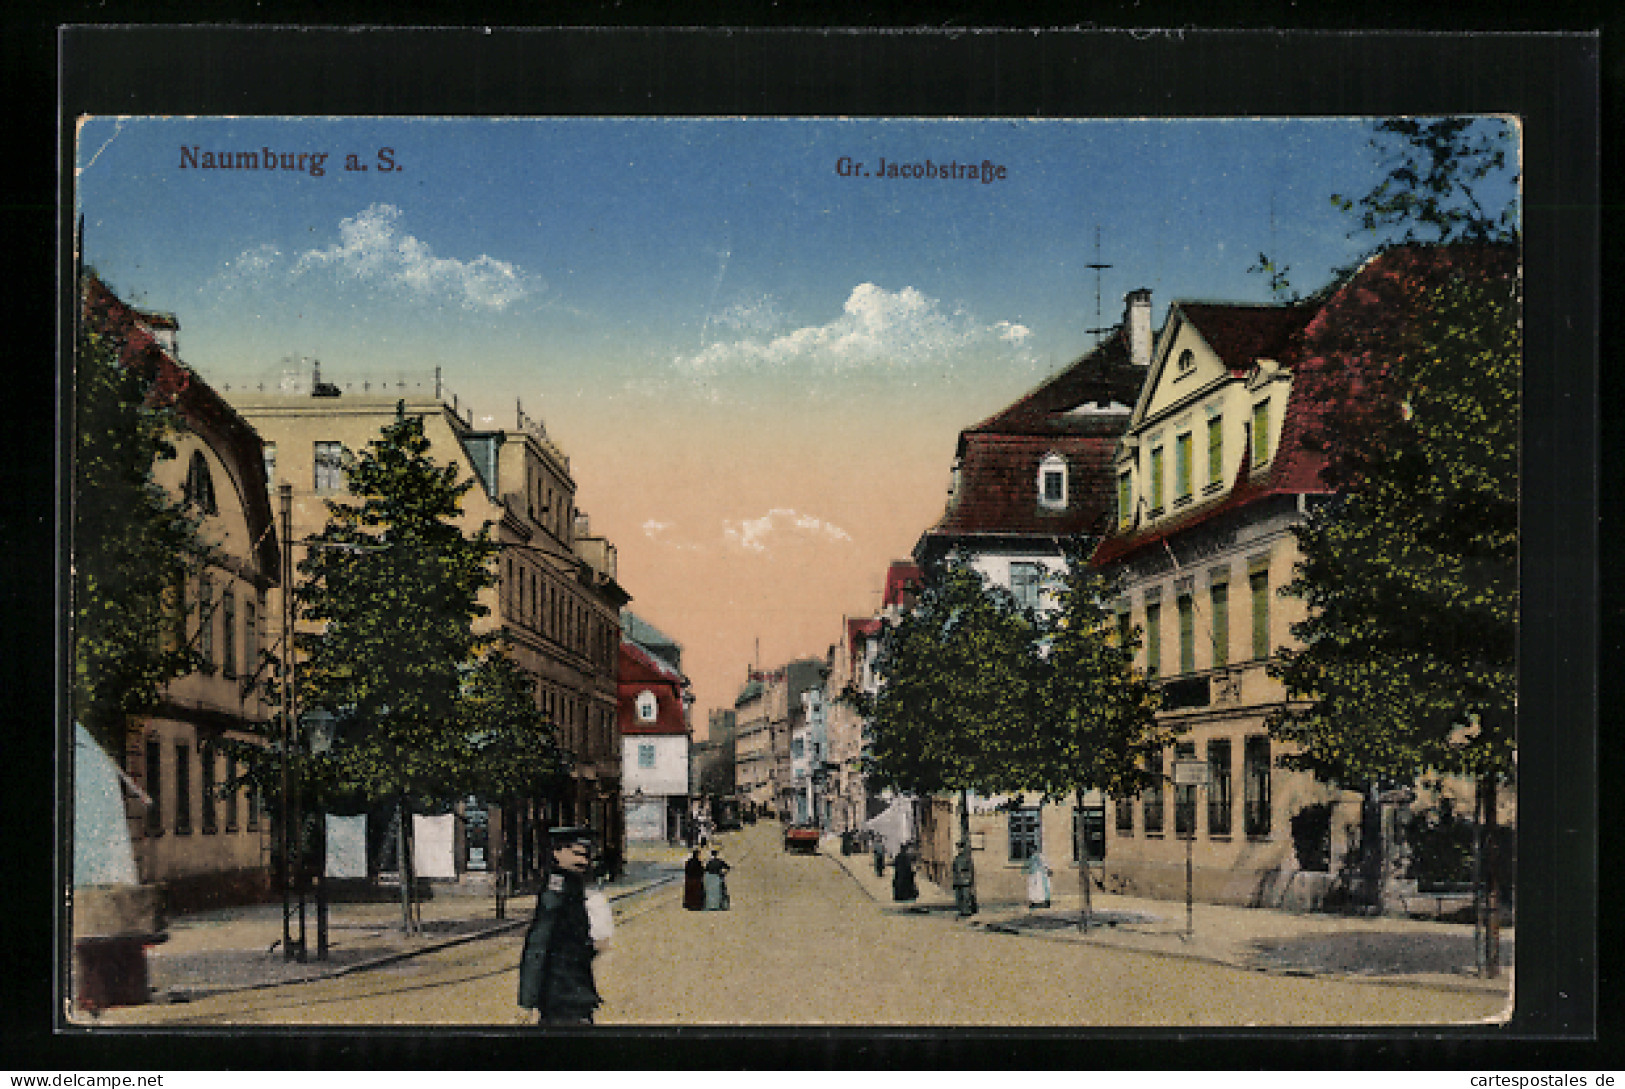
<point x="694" y="882"/>
<point x="555" y="971"/>
<point x="964" y="871"/>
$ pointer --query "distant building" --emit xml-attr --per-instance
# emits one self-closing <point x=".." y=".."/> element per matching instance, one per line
<point x="713" y="760"/>
<point x="199" y="842"/>
<point x="654" y="745"/>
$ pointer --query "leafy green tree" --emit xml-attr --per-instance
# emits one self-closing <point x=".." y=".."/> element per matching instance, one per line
<point x="390" y="595"/>
<point x="958" y="691"/>
<point x="1406" y="664"/>
<point x="515" y="749"/>
<point x="133" y="543"/>
<point x="1096" y="726"/>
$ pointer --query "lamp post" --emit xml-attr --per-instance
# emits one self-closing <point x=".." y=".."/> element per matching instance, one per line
<point x="319" y="729"/>
<point x="1192" y="774"/>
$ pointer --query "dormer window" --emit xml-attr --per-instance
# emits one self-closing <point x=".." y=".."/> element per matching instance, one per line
<point x="199" y="491"/>
<point x="1261" y="433"/>
<point x="646" y="706"/>
<point x="1052" y="483"/>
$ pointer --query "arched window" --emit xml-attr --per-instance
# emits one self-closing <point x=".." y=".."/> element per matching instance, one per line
<point x="1052" y="482"/>
<point x="199" y="489"/>
<point x="646" y="706"/>
<point x="1187" y="362"/>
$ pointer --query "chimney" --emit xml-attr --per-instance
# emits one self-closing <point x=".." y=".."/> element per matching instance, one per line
<point x="1137" y="318"/>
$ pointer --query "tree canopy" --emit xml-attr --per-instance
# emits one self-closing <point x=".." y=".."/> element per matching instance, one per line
<point x="1407" y="657"/>
<point x="391" y="590"/>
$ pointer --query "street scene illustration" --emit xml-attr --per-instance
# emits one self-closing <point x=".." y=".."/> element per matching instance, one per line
<point x="552" y="573"/>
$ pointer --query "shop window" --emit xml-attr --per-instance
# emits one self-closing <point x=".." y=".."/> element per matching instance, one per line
<point x="1218" y="787"/>
<point x="183" y="789"/>
<point x="155" y="788"/>
<point x="1256" y="786"/>
<point x="1151" y="798"/>
<point x="1025" y="833"/>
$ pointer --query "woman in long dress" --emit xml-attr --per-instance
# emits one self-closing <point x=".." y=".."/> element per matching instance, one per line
<point x="716" y="887"/>
<point x="694" y="882"/>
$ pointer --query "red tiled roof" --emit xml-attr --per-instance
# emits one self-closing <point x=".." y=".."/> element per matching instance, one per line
<point x="1318" y="350"/>
<point x="997" y="491"/>
<point x="204" y="410"/>
<point x="857" y="630"/>
<point x="636" y="671"/>
<point x="901" y="577"/>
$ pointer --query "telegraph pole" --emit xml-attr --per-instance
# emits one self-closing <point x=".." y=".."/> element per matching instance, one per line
<point x="1099" y="330"/>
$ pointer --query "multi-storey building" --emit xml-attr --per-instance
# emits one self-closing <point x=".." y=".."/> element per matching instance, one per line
<point x="556" y="596"/>
<point x="714" y="760"/>
<point x="198" y="839"/>
<point x="1026" y="482"/>
<point x="1213" y="473"/>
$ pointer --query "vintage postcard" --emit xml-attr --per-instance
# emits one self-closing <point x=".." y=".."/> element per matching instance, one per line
<point x="795" y="571"/>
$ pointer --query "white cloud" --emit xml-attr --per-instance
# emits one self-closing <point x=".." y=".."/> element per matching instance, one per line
<point x="752" y="534"/>
<point x="876" y="328"/>
<point x="654" y="527"/>
<point x="372" y="248"/>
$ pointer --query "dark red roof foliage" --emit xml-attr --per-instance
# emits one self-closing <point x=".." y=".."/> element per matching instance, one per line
<point x="207" y="413"/>
<point x="637" y="670"/>
<point x="999" y="458"/>
<point x="1330" y="355"/>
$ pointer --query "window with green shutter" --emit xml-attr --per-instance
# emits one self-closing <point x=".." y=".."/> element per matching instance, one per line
<point x="1182" y="466"/>
<point x="1219" y="597"/>
<point x="1215" y="451"/>
<point x="1187" y="633"/>
<point x="1156" y="480"/>
<point x="1259" y="583"/>
<point x="1261" y="433"/>
<point x="1153" y="639"/>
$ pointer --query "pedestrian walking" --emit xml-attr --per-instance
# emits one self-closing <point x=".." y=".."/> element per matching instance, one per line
<point x="1038" y="873"/>
<point x="694" y="882"/>
<point x="964" y="876"/>
<point x="555" y="970"/>
<point x="880" y="857"/>
<point x="716" y="883"/>
<point x="903" y="888"/>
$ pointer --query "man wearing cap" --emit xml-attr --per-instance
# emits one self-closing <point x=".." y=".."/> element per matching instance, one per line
<point x="555" y="972"/>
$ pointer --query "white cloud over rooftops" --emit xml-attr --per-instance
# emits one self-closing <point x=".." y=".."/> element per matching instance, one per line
<point x="753" y="534"/>
<point x="373" y="249"/>
<point x="876" y="328"/>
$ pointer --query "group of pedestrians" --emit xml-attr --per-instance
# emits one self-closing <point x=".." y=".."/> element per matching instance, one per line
<point x="705" y="884"/>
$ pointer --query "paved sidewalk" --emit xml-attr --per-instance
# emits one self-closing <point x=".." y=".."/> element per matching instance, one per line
<point x="1408" y="952"/>
<point x="233" y="949"/>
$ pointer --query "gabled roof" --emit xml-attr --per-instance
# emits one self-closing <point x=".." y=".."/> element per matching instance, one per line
<point x="1078" y="415"/>
<point x="1312" y="340"/>
<point x="1240" y="333"/>
<point x="177" y="385"/>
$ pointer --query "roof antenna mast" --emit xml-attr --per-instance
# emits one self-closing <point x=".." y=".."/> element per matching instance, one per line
<point x="1099" y="330"/>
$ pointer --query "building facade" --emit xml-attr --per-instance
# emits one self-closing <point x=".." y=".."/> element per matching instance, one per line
<point x="556" y="598"/>
<point x="197" y="837"/>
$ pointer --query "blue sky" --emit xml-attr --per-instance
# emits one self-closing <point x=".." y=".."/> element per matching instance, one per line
<point x="671" y="295"/>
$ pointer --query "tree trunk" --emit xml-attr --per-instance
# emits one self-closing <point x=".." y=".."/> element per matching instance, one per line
<point x="1492" y="912"/>
<point x="964" y="832"/>
<point x="404" y="863"/>
<point x="1083" y="867"/>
